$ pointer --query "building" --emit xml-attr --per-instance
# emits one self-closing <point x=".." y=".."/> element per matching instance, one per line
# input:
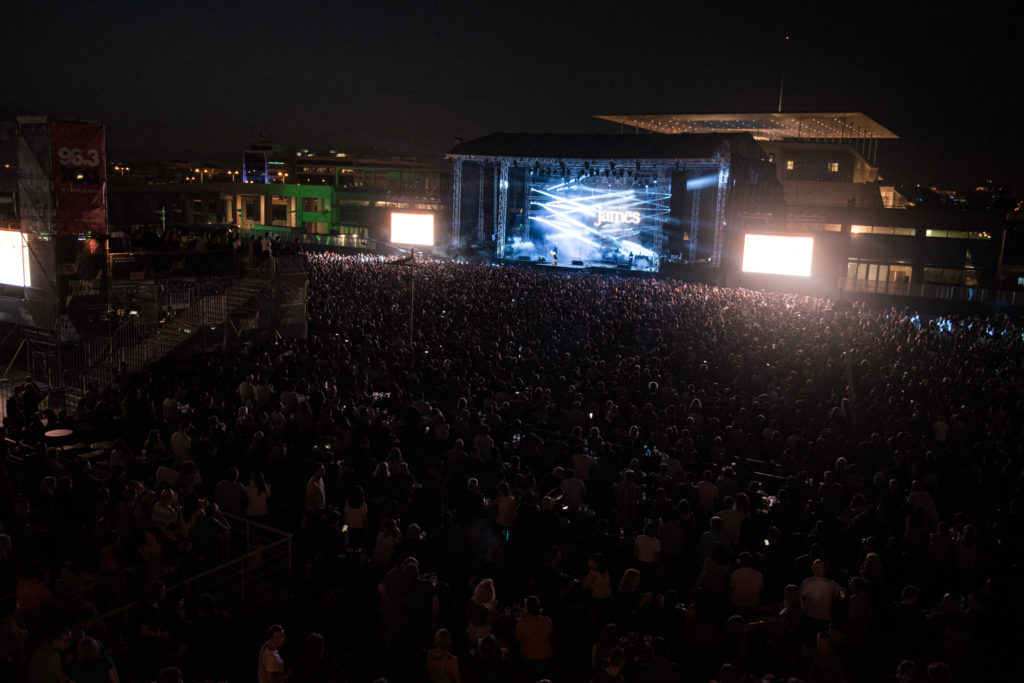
<point x="296" y="194"/>
<point x="866" y="237"/>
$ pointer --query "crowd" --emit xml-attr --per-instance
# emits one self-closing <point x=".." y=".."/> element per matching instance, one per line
<point x="541" y="475"/>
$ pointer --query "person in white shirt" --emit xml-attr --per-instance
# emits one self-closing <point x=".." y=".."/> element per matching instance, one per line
<point x="316" y="495"/>
<point x="181" y="443"/>
<point x="647" y="546"/>
<point x="258" y="493"/>
<point x="246" y="390"/>
<point x="596" y="585"/>
<point x="165" y="510"/>
<point x="270" y="668"/>
<point x="818" y="593"/>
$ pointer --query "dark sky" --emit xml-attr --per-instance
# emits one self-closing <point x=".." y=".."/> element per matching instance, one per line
<point x="204" y="78"/>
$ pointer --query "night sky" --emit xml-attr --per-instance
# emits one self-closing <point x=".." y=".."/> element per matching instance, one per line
<point x="200" y="80"/>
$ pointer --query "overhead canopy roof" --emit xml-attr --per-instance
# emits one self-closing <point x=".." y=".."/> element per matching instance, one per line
<point x="769" y="125"/>
<point x="600" y="146"/>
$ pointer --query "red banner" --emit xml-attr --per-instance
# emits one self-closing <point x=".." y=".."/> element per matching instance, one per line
<point x="79" y="178"/>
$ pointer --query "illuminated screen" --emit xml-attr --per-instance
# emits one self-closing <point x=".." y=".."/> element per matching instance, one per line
<point x="14" y="259"/>
<point x="777" y="254"/>
<point x="412" y="228"/>
<point x="594" y="221"/>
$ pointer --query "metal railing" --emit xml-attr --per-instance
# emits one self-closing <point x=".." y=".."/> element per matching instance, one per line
<point x="136" y="344"/>
<point x="933" y="291"/>
<point x="352" y="242"/>
<point x="253" y="570"/>
<point x="150" y="265"/>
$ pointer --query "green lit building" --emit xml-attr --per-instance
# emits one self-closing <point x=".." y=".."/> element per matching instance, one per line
<point x="296" y="192"/>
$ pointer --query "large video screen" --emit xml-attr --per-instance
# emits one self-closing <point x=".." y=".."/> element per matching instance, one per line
<point x="14" y="259"/>
<point x="594" y="221"/>
<point x="777" y="254"/>
<point x="412" y="228"/>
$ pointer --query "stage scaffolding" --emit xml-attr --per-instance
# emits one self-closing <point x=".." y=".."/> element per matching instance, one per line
<point x="483" y="182"/>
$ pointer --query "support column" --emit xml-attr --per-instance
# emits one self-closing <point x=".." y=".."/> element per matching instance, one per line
<point x="694" y="224"/>
<point x="457" y="206"/>
<point x="502" y="211"/>
<point x="720" y="204"/>
<point x="496" y="172"/>
<point x="480" y="208"/>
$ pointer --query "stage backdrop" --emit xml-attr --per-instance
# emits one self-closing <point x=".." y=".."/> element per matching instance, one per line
<point x="600" y="221"/>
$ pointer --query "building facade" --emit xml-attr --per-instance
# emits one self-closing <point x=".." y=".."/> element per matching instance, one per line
<point x="866" y="237"/>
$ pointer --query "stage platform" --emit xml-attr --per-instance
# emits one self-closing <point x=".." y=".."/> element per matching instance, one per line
<point x="577" y="267"/>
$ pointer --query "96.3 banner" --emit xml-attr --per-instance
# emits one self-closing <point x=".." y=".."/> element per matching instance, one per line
<point x="79" y="177"/>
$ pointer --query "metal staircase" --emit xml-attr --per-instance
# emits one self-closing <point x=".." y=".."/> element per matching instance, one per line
<point x="127" y="352"/>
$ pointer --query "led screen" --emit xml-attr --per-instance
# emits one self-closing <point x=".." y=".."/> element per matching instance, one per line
<point x="777" y="254"/>
<point x="412" y="228"/>
<point x="594" y="221"/>
<point x="14" y="259"/>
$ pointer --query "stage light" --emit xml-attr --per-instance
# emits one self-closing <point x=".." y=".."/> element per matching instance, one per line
<point x="702" y="182"/>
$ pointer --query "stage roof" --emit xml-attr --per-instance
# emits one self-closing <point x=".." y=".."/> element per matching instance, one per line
<point x="763" y="126"/>
<point x="601" y="146"/>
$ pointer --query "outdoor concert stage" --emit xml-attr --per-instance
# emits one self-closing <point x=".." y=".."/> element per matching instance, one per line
<point x="624" y="202"/>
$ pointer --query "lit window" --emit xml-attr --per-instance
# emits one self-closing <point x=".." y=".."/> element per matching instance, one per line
<point x="790" y="165"/>
<point x="833" y="167"/>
